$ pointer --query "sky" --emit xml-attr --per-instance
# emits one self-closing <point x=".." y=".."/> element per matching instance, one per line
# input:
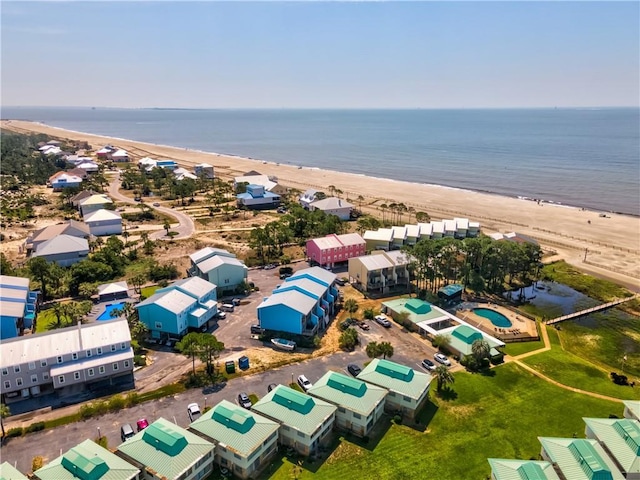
<point x="320" y="54"/>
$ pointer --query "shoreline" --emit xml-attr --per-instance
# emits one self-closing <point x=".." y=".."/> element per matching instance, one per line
<point x="3" y="122"/>
<point x="612" y="242"/>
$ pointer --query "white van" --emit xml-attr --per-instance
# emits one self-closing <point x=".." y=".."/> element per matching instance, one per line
<point x="227" y="307"/>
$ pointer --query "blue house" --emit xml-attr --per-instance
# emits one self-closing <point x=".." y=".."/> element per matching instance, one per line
<point x="257" y="198"/>
<point x="303" y="304"/>
<point x="18" y="306"/>
<point x="185" y="305"/>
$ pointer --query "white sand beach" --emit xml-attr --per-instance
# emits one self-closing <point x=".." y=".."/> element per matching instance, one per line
<point x="611" y="244"/>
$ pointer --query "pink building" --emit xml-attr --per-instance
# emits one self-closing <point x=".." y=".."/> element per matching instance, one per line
<point x="332" y="249"/>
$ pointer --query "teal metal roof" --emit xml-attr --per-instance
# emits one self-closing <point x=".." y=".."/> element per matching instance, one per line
<point x="418" y="310"/>
<point x="621" y="437"/>
<point x="294" y="409"/>
<point x="88" y="461"/>
<point x="452" y="289"/>
<point x="166" y="448"/>
<point x="418" y="306"/>
<point x="581" y="459"/>
<point x="503" y="469"/>
<point x="396" y="377"/>
<point x="466" y="334"/>
<point x="9" y="472"/>
<point x="235" y="428"/>
<point x="348" y="392"/>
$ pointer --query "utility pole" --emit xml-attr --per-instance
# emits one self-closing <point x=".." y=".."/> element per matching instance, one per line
<point x="586" y="250"/>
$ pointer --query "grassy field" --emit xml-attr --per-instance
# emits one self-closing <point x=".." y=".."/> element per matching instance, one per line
<point x="498" y="416"/>
<point x="574" y="371"/>
<point x="515" y="349"/>
<point x="146" y="292"/>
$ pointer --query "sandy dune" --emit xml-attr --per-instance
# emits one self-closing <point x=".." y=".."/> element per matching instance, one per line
<point x="612" y="244"/>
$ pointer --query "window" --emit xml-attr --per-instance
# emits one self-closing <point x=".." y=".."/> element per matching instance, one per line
<point x="237" y="456"/>
<point x="90" y="372"/>
<point x="88" y="353"/>
<point x="34" y="378"/>
<point x="16" y="369"/>
<point x="115" y="367"/>
<point x="357" y="415"/>
<point x="123" y="346"/>
<point x="406" y="399"/>
<point x="74" y="356"/>
<point x="126" y="364"/>
<point x="158" y="325"/>
<point x="113" y="348"/>
<point x="341" y="409"/>
<point x="61" y="379"/>
<point x="59" y="359"/>
<point x="99" y="350"/>
<point x="5" y="371"/>
<point x="300" y="434"/>
<point x="32" y="365"/>
<point x="76" y="375"/>
<point x="45" y="376"/>
<point x="7" y="384"/>
<point x="226" y="281"/>
<point x="101" y="369"/>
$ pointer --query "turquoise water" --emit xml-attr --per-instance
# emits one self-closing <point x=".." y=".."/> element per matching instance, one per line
<point x="496" y="318"/>
<point x="106" y="315"/>
<point x="511" y="152"/>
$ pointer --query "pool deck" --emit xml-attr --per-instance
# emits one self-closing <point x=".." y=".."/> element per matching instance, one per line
<point x="98" y="308"/>
<point x="521" y="327"/>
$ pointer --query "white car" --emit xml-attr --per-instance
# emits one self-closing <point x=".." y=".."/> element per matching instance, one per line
<point x="441" y="358"/>
<point x="194" y="411"/>
<point x="304" y="383"/>
<point x="383" y="320"/>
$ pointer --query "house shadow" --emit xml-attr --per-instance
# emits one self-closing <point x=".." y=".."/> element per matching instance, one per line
<point x="488" y="372"/>
<point x="274" y="465"/>
<point x="424" y="417"/>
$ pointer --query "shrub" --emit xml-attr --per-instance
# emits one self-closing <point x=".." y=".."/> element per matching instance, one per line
<point x="619" y="379"/>
<point x="397" y="419"/>
<point x="132" y="399"/>
<point x="116" y="403"/>
<point x="87" y="411"/>
<point x="139" y="361"/>
<point x="15" y="432"/>
<point x="37" y="463"/>
<point x="35" y="427"/>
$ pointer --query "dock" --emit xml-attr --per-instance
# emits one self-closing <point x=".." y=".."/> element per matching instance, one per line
<point x="588" y="311"/>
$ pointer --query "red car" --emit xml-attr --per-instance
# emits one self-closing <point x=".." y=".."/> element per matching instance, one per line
<point x="142" y="424"/>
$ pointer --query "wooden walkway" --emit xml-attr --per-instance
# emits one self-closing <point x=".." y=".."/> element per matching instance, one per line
<point x="587" y="311"/>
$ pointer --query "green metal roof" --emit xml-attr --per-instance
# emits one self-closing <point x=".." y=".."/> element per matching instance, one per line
<point x="396" y="377"/>
<point x="348" y="392"/>
<point x="503" y="469"/>
<point x="9" y="472"/>
<point x="418" y="306"/>
<point x="87" y="461"/>
<point x="467" y="334"/>
<point x="166" y="448"/>
<point x="418" y="310"/>
<point x="581" y="459"/>
<point x="294" y="409"/>
<point x="234" y="427"/>
<point x="622" y="439"/>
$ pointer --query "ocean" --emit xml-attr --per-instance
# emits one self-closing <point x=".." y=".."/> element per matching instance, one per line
<point x="583" y="157"/>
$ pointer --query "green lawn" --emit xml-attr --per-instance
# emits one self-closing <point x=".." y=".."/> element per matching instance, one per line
<point x="499" y="416"/>
<point x="148" y="291"/>
<point x="45" y="318"/>
<point x="515" y="349"/>
<point x="571" y="370"/>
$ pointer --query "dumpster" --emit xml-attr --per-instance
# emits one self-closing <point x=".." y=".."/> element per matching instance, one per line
<point x="243" y="363"/>
<point x="230" y="366"/>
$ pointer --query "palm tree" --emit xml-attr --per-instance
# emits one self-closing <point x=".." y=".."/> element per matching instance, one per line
<point x="189" y="346"/>
<point x="351" y="306"/>
<point x="372" y="349"/>
<point x="4" y="413"/>
<point x="385" y="349"/>
<point x="443" y="376"/>
<point x="480" y="349"/>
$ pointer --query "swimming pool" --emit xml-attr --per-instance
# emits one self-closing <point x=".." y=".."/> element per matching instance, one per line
<point x="498" y="319"/>
<point x="106" y="315"/>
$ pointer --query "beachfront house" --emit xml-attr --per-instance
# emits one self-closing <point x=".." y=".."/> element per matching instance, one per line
<point x="412" y="234"/>
<point x="70" y="227"/>
<point x="308" y="197"/>
<point x="65" y="180"/>
<point x="269" y="184"/>
<point x="244" y="441"/>
<point x="183" y="174"/>
<point x="88" y="166"/>
<point x="360" y="404"/>
<point x="18" y="306"/>
<point x="94" y="203"/>
<point x="505" y="469"/>
<point x="579" y="458"/>
<point x="204" y="170"/>
<point x="186" y="305"/>
<point x="408" y="388"/>
<point x="333" y="249"/>
<point x="302" y="304"/>
<point x="105" y="152"/>
<point x="219" y="267"/>
<point x="119" y="155"/>
<point x="620" y="437"/>
<point x="65" y="250"/>
<point x="147" y="164"/>
<point x="333" y="206"/>
<point x="513" y="237"/>
<point x="257" y="198"/>
<point x="305" y="421"/>
<point x="399" y="237"/>
<point x="67" y="361"/>
<point x="632" y="409"/>
<point x="381" y="272"/>
<point x="87" y="461"/>
<point x="104" y="222"/>
<point x="378" y="239"/>
<point x="164" y="451"/>
<point x="167" y="164"/>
